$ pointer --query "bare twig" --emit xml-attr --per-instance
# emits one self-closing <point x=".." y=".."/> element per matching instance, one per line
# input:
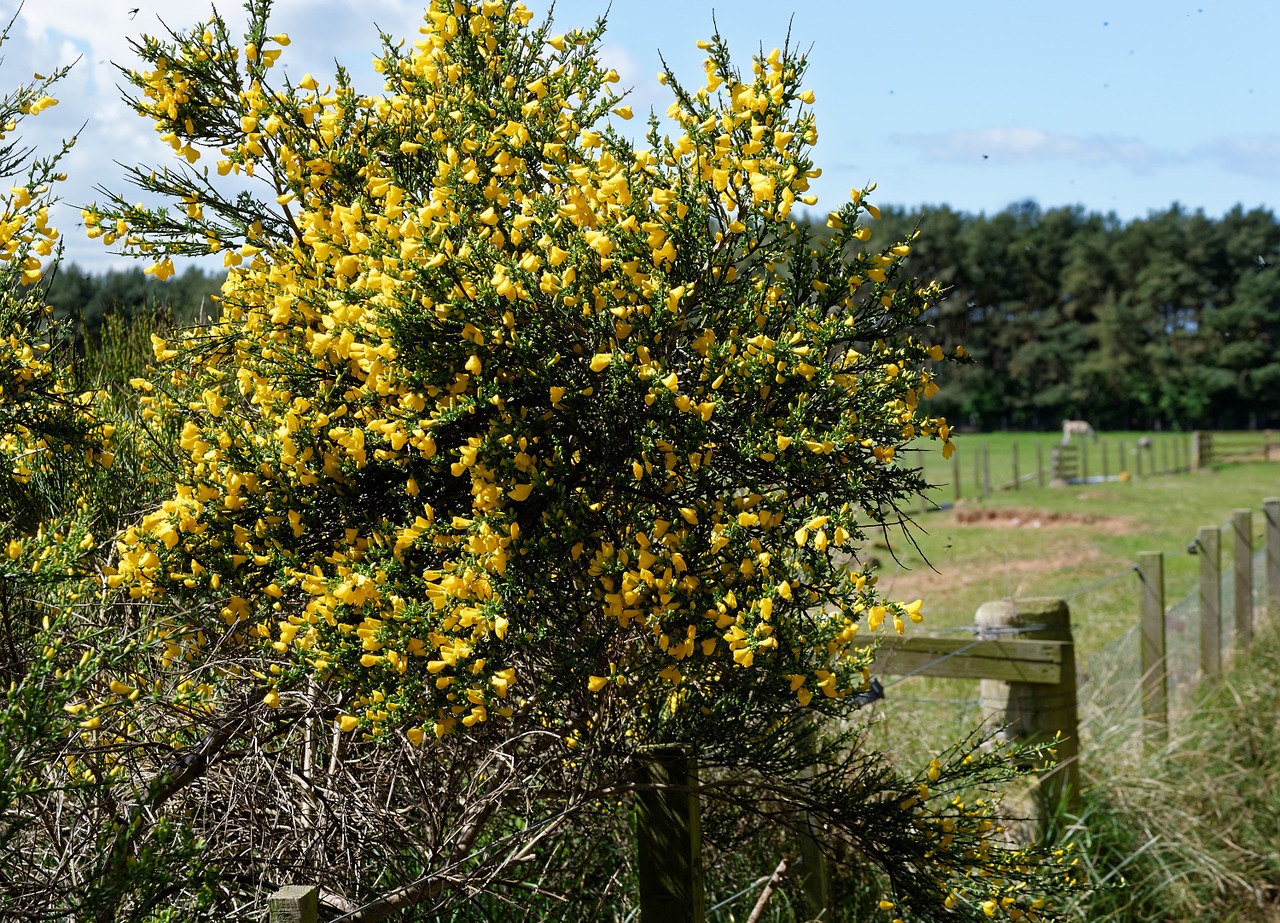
<point x="770" y="886"/>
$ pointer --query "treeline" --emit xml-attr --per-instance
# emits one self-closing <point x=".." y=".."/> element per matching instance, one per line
<point x="1168" y="321"/>
<point x="86" y="298"/>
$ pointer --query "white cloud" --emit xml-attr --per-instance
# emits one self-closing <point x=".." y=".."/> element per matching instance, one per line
<point x="96" y="33"/>
<point x="1257" y="155"/>
<point x="1023" y="145"/>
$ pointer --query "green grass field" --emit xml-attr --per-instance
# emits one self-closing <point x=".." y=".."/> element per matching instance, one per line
<point x="1063" y="541"/>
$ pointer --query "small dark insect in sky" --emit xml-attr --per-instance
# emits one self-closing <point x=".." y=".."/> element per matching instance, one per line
<point x="986" y="156"/>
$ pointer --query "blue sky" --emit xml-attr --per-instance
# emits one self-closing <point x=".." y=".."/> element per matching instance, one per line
<point x="1124" y="106"/>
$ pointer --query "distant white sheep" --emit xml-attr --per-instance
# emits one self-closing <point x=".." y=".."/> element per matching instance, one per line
<point x="1076" y="428"/>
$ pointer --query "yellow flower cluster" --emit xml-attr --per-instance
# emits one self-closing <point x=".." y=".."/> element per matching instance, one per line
<point x="41" y="412"/>
<point x="502" y="409"/>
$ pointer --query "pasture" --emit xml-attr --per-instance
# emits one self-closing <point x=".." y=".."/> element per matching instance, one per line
<point x="1058" y="541"/>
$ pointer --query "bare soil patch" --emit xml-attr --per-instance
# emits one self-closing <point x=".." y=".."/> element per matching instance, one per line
<point x="1014" y="518"/>
<point x="1014" y="577"/>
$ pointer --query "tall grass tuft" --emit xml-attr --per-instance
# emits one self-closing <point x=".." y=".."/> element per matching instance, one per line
<point x="1191" y="830"/>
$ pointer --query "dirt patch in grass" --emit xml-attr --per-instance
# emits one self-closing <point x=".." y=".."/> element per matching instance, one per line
<point x="1013" y="518"/>
<point x="1015" y="577"/>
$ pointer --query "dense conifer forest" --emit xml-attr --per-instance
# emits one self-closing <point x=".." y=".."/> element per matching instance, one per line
<point x="1169" y="321"/>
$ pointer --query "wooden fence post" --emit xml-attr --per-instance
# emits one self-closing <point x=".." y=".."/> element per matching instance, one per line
<point x="1036" y="712"/>
<point x="1209" y="547"/>
<point x="1242" y="529"/>
<point x="986" y="470"/>
<point x="1065" y="462"/>
<point x="1201" y="450"/>
<point x="1039" y="465"/>
<point x="812" y="872"/>
<point x="1084" y="460"/>
<point x="955" y="475"/>
<point x="295" y="904"/>
<point x="1106" y="467"/>
<point x="1124" y="459"/>
<point x="1017" y="479"/>
<point x="1155" y="682"/>
<point x="669" y="837"/>
<point x="1271" y="511"/>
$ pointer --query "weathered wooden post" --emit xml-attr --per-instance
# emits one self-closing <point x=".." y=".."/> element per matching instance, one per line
<point x="1017" y="478"/>
<point x="295" y="904"/>
<point x="1271" y="542"/>
<point x="1155" y="671"/>
<point x="811" y="871"/>
<point x="1084" y="460"/>
<point x="1106" y="467"/>
<point x="1065" y="461"/>
<point x="955" y="475"/>
<point x="1124" y="459"/>
<point x="1164" y="456"/>
<point x="1036" y="711"/>
<point x="1201" y="450"/>
<point x="1242" y="545"/>
<point x="669" y="837"/>
<point x="1039" y="465"/>
<point x="1137" y="460"/>
<point x="1209" y="548"/>
<point x="986" y="470"/>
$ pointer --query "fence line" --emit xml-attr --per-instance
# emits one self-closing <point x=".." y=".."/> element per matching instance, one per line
<point x="1070" y="463"/>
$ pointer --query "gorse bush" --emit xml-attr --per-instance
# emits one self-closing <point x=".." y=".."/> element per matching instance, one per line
<point x="516" y="450"/>
<point x="513" y="382"/>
